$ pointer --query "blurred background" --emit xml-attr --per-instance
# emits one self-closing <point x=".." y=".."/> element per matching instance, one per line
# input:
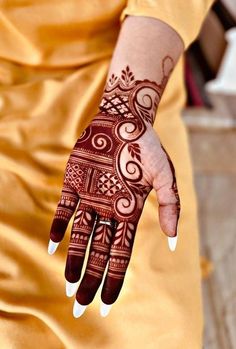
<point x="210" y="116"/>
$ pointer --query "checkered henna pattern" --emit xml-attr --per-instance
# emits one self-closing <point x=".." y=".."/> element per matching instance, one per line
<point x="114" y="165"/>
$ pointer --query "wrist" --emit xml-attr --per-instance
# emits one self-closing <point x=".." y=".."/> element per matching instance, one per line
<point x="128" y="97"/>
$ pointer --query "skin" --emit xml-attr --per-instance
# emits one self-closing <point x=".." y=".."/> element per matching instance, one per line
<point x="121" y="132"/>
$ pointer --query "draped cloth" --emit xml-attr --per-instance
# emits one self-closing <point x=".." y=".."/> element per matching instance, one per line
<point x="54" y="59"/>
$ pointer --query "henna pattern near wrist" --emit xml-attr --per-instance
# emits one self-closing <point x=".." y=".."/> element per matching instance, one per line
<point x="106" y="172"/>
<point x="135" y="99"/>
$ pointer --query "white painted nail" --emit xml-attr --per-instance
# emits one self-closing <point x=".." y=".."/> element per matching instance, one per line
<point x="78" y="309"/>
<point x="105" y="309"/>
<point x="71" y="288"/>
<point x="52" y="246"/>
<point x="172" y="242"/>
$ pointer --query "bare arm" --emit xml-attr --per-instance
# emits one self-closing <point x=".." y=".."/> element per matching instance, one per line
<point x="143" y="44"/>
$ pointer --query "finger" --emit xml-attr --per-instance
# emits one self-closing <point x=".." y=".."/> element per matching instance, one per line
<point x="169" y="201"/>
<point x="81" y="230"/>
<point x="120" y="253"/>
<point x="78" y="309"/>
<point x="97" y="260"/>
<point x="65" y="209"/>
<point x="52" y="246"/>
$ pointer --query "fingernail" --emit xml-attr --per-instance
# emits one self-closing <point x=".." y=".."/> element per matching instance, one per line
<point x="52" y="246"/>
<point x="78" y="309"/>
<point x="172" y="242"/>
<point x="105" y="309"/>
<point x="71" y="288"/>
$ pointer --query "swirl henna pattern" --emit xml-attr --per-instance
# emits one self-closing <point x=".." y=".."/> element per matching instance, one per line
<point x="114" y="165"/>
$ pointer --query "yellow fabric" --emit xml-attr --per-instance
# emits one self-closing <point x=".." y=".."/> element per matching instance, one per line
<point x="54" y="60"/>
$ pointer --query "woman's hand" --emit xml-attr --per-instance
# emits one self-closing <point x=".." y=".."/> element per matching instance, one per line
<point x="114" y="165"/>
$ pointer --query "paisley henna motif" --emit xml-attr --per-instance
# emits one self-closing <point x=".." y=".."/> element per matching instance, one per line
<point x="105" y="172"/>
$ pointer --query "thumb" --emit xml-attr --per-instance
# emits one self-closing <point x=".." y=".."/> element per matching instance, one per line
<point x="169" y="210"/>
<point x="168" y="199"/>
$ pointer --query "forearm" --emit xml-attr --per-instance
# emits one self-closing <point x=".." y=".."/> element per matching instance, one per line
<point x="146" y="49"/>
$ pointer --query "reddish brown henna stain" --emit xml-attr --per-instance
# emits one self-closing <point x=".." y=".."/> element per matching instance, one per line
<point x="105" y="169"/>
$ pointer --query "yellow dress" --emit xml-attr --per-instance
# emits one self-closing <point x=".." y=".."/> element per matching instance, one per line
<point x="54" y="58"/>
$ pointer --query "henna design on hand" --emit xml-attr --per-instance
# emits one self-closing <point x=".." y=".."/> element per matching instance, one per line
<point x="135" y="99"/>
<point x="110" y="173"/>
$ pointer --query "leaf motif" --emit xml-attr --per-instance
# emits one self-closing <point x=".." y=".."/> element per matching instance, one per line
<point x="88" y="216"/>
<point x="134" y="150"/>
<point x="117" y="241"/>
<point x="113" y="79"/>
<point x="107" y="239"/>
<point x="131" y="225"/>
<point x="82" y="217"/>
<point x="98" y="237"/>
<point x="119" y="232"/>
<point x="127" y="243"/>
<point x="109" y="233"/>
<point x="140" y="189"/>
<point x="121" y="225"/>
<point x="78" y="216"/>
<point x="119" y="229"/>
<point x="129" y="234"/>
<point x="99" y="228"/>
<point x="127" y="76"/>
<point x="146" y="115"/>
<point x="123" y="76"/>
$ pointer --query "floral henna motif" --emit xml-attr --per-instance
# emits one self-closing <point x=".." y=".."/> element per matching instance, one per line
<point x="135" y="99"/>
<point x="106" y="171"/>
